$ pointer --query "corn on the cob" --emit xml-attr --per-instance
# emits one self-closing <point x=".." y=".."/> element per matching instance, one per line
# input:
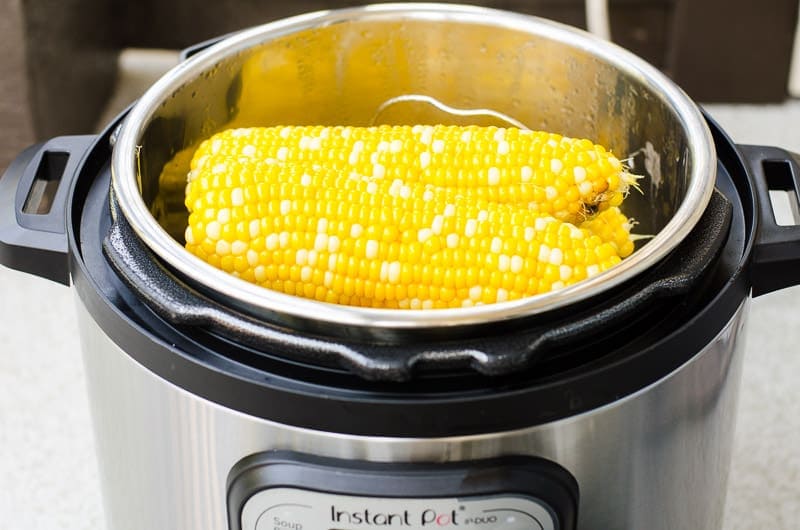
<point x="567" y="178"/>
<point x="406" y="217"/>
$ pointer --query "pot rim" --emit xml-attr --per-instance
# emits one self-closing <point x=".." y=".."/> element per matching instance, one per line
<point x="269" y="304"/>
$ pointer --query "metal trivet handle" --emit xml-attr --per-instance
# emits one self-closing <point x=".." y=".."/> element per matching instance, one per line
<point x="421" y="98"/>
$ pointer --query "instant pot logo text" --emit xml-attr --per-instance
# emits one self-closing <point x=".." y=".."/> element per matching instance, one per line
<point x="425" y="518"/>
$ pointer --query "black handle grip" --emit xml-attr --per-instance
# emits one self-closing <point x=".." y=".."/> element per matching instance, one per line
<point x="34" y="192"/>
<point x="776" y="254"/>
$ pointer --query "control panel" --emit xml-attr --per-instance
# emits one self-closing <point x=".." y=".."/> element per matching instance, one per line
<point x="296" y="509"/>
<point x="289" y="491"/>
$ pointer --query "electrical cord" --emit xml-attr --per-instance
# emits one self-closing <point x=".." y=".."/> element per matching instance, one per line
<point x="597" y="21"/>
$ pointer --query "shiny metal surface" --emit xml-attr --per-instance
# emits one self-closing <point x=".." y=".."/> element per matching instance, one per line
<point x="657" y="459"/>
<point x="338" y="67"/>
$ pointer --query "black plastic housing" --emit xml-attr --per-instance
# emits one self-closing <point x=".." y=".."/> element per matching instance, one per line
<point x="530" y="477"/>
<point x="448" y="402"/>
<point x="493" y="349"/>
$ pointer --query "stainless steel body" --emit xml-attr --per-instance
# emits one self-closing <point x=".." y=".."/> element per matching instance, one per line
<point x="657" y="459"/>
<point x="341" y="67"/>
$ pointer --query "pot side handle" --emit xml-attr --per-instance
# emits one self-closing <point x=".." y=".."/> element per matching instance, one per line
<point x="776" y="254"/>
<point x="34" y="191"/>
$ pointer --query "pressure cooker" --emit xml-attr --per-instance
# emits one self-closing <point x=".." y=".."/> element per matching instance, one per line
<point x="216" y="404"/>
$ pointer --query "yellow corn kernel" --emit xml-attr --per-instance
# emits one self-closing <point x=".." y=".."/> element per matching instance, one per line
<point x="406" y="217"/>
<point x="564" y="177"/>
<point x="613" y="227"/>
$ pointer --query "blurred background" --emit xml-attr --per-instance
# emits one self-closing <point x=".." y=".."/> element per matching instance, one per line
<point x="60" y="58"/>
<point x="69" y="66"/>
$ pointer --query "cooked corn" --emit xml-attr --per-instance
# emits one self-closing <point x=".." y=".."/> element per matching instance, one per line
<point x="406" y="217"/>
<point x="564" y="177"/>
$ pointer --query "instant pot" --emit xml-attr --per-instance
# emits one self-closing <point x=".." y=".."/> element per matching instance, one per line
<point x="606" y="405"/>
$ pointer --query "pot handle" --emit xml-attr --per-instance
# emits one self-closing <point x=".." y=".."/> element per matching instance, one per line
<point x="34" y="191"/>
<point x="776" y="254"/>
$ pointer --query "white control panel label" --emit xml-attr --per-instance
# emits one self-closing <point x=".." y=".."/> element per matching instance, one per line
<point x="298" y="509"/>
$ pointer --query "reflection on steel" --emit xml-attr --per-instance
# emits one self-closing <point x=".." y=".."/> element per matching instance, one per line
<point x="420" y="98"/>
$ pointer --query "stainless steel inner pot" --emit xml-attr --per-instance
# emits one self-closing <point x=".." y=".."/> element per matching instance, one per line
<point x="339" y="67"/>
